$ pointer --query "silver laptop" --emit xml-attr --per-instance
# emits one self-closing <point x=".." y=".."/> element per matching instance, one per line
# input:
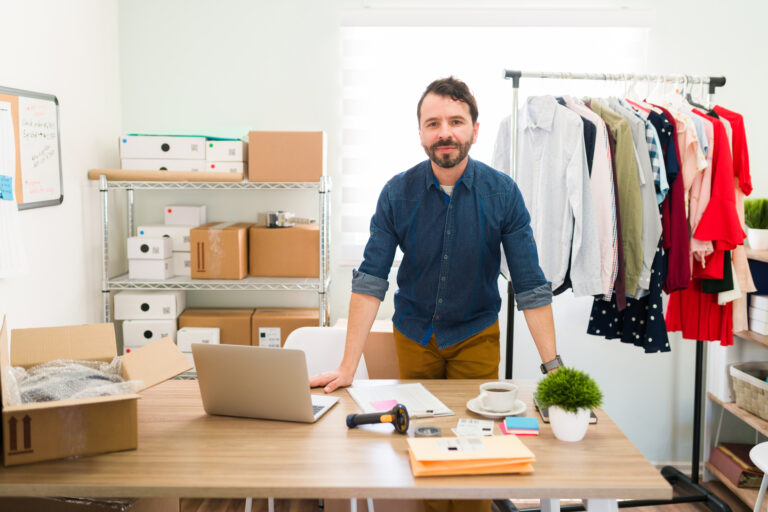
<point x="257" y="382"/>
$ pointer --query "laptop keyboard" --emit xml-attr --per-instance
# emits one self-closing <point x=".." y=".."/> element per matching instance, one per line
<point x="317" y="408"/>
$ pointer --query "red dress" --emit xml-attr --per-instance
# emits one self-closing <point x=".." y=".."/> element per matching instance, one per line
<point x="695" y="313"/>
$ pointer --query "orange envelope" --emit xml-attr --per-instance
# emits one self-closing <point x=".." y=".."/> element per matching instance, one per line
<point x="432" y="456"/>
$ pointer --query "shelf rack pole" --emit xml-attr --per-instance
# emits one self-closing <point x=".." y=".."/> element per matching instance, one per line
<point x="104" y="190"/>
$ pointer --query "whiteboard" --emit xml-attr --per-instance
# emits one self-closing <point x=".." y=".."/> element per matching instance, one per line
<point x="30" y="142"/>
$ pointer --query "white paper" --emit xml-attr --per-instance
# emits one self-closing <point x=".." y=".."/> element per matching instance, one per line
<point x="469" y="427"/>
<point x="39" y="150"/>
<point x="415" y="397"/>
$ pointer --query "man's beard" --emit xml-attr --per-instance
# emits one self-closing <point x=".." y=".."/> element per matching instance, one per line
<point x="446" y="161"/>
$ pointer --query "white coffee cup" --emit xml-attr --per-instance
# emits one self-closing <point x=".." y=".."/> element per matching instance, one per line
<point x="497" y="396"/>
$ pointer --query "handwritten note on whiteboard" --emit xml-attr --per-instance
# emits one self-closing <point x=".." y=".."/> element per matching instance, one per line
<point x="39" y="150"/>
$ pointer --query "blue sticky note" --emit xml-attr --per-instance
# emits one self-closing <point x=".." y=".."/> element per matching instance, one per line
<point x="6" y="188"/>
<point x="511" y="422"/>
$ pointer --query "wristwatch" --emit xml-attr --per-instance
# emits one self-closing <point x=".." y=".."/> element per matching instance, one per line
<point x="551" y="365"/>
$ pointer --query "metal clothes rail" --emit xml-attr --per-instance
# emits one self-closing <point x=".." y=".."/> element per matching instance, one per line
<point x="672" y="474"/>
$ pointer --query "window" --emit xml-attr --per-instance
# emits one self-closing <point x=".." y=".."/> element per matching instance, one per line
<point x="386" y="69"/>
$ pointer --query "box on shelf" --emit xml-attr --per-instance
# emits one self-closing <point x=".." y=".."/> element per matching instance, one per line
<point x="185" y="215"/>
<point x="271" y="326"/>
<point x="82" y="426"/>
<point x="750" y="387"/>
<point x="157" y="164"/>
<point x="286" y="156"/>
<point x="178" y="234"/>
<point x="141" y="305"/>
<point x="214" y="166"/>
<point x="226" y="150"/>
<point x="146" y="248"/>
<point x="186" y="336"/>
<point x="150" y="269"/>
<point x="760" y="315"/>
<point x="234" y="324"/>
<point x="220" y="250"/>
<point x="138" y="333"/>
<point x="182" y="264"/>
<point x="759" y="302"/>
<point x="758" y="326"/>
<point x="285" y="252"/>
<point x="162" y="146"/>
<point x="190" y="358"/>
<point x="379" y="352"/>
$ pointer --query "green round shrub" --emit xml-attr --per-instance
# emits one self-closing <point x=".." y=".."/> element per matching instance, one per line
<point x="569" y="389"/>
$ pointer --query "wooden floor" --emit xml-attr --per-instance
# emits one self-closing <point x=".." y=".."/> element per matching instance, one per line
<point x="209" y="505"/>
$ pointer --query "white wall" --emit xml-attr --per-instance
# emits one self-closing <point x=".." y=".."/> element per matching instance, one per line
<point x="68" y="49"/>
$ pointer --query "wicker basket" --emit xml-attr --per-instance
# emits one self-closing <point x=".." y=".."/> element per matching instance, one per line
<point x="750" y="387"/>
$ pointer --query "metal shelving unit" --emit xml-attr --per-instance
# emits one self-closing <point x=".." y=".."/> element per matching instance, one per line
<point x="320" y="284"/>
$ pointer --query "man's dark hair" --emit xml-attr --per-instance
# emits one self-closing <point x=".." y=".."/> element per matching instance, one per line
<point x="456" y="89"/>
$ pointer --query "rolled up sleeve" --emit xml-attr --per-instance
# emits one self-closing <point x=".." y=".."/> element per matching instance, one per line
<point x="369" y="285"/>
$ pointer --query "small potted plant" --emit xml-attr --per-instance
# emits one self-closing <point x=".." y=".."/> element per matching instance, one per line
<point x="570" y="395"/>
<point x="756" y="219"/>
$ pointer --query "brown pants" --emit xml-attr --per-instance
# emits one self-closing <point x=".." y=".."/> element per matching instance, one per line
<point x="476" y="357"/>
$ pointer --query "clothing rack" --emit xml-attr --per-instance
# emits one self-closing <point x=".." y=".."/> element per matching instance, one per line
<point x="696" y="492"/>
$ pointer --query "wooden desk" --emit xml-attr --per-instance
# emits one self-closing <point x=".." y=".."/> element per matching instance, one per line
<point x="185" y="453"/>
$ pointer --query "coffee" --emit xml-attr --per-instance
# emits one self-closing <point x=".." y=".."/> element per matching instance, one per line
<point x="497" y="396"/>
<point x="498" y="390"/>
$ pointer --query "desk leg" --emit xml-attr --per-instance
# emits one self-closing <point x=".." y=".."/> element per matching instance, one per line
<point x="550" y="505"/>
<point x="601" y="505"/>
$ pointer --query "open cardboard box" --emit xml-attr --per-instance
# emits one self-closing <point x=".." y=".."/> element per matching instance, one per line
<point x="83" y="426"/>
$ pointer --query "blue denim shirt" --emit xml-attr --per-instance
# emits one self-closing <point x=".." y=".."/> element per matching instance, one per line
<point x="451" y="252"/>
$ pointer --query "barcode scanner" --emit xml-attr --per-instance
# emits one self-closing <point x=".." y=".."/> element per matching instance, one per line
<point x="398" y="417"/>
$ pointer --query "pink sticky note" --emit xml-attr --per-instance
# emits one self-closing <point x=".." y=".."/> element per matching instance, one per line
<point x="384" y="405"/>
<point x="503" y="428"/>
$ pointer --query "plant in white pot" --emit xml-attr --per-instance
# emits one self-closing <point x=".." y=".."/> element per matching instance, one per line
<point x="756" y="219"/>
<point x="570" y="395"/>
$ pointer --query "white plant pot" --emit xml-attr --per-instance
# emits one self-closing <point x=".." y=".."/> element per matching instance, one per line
<point x="568" y="426"/>
<point x="758" y="238"/>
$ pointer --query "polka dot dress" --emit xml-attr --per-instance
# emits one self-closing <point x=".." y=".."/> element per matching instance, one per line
<point x="642" y="322"/>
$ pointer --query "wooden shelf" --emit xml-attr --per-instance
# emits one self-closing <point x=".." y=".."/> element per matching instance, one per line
<point x="750" y="419"/>
<point x="748" y="496"/>
<point x="753" y="337"/>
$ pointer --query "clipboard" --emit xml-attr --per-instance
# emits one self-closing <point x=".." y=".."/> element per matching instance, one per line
<point x="30" y="149"/>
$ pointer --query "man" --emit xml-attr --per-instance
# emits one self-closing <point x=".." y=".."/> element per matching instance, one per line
<point x="449" y="215"/>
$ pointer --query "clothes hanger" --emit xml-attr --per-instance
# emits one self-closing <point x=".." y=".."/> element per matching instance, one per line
<point x="690" y="99"/>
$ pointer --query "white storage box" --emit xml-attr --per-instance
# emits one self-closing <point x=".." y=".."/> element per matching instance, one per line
<point x="150" y="269"/>
<point x="146" y="248"/>
<point x="186" y="336"/>
<point x="759" y="302"/>
<point x="182" y="264"/>
<point x="758" y="326"/>
<point x="212" y="166"/>
<point x="758" y="314"/>
<point x="178" y="234"/>
<point x="226" y="150"/>
<point x="141" y="305"/>
<point x="137" y="333"/>
<point x="185" y="215"/>
<point x="161" y="146"/>
<point x="162" y="164"/>
<point x="191" y="359"/>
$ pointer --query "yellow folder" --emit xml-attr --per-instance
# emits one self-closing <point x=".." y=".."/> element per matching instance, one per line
<point x="433" y="456"/>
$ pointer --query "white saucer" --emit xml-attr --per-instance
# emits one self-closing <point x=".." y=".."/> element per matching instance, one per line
<point x="474" y="406"/>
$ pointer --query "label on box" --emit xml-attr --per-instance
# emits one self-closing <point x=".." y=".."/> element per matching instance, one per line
<point x="458" y="444"/>
<point x="269" y="337"/>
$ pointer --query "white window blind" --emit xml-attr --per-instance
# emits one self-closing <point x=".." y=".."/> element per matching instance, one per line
<point x="386" y="69"/>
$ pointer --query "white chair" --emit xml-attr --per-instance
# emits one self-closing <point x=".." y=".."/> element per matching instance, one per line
<point x="759" y="456"/>
<point x="324" y="349"/>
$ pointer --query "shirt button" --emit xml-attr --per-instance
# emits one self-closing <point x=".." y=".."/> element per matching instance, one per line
<point x="448" y="232"/>
<point x="442" y="278"/>
<point x="445" y="256"/>
<point x="440" y="301"/>
<point x="437" y="317"/>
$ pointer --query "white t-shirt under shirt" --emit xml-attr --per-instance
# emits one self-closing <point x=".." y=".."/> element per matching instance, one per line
<point x="447" y="188"/>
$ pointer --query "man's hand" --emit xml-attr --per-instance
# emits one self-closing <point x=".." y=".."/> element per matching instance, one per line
<point x="331" y="380"/>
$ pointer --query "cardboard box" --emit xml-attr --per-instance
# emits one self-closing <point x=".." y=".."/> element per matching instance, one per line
<point x="165" y="147"/>
<point x="150" y="269"/>
<point x="234" y="323"/>
<point x="379" y="352"/>
<point x="186" y="336"/>
<point x="178" y="234"/>
<point x="214" y="166"/>
<point x="182" y="264"/>
<point x="141" y="305"/>
<point x="271" y="326"/>
<point x="138" y="333"/>
<point x="162" y="164"/>
<point x="185" y="215"/>
<point x="90" y="504"/>
<point x="286" y="156"/>
<point x="285" y="252"/>
<point x="146" y="248"/>
<point x="220" y="250"/>
<point x="226" y="151"/>
<point x="83" y="426"/>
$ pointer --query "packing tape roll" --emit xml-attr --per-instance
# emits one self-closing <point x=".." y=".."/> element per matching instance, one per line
<point x="427" y="432"/>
